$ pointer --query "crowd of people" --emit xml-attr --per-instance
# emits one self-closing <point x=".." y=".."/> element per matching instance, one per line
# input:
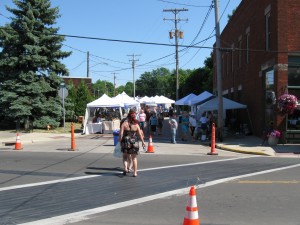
<point x="151" y="122"/>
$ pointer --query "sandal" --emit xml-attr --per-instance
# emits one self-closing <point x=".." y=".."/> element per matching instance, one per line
<point x="124" y="172"/>
<point x="134" y="175"/>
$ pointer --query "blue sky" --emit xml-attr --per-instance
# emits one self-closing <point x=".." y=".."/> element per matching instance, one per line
<point x="138" y="21"/>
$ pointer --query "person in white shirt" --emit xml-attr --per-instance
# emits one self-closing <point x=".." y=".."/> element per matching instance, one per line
<point x="193" y="124"/>
<point x="142" y="119"/>
<point x="173" y="125"/>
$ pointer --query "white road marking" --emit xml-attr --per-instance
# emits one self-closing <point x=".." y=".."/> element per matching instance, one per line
<point x="92" y="176"/>
<point x="84" y="215"/>
<point x="47" y="182"/>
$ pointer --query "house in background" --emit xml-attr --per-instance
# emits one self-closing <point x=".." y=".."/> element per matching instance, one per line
<point x="260" y="61"/>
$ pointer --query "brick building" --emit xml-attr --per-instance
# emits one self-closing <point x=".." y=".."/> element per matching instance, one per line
<point x="76" y="81"/>
<point x="260" y="53"/>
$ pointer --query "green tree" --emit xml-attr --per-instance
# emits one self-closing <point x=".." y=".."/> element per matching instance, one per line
<point x="156" y="82"/>
<point x="70" y="102"/>
<point x="199" y="80"/>
<point x="128" y="88"/>
<point x="30" y="64"/>
<point x="102" y="87"/>
<point x="82" y="99"/>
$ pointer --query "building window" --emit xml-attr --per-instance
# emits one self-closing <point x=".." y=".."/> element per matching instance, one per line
<point x="240" y="52"/>
<point x="294" y="89"/>
<point x="268" y="28"/>
<point x="227" y="63"/>
<point x="270" y="80"/>
<point x="247" y="47"/>
<point x="232" y="57"/>
<point x="294" y="71"/>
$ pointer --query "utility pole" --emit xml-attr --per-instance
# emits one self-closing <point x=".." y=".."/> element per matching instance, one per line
<point x="88" y="65"/>
<point x="219" y="72"/>
<point x="114" y="83"/>
<point x="177" y="34"/>
<point x="133" y="69"/>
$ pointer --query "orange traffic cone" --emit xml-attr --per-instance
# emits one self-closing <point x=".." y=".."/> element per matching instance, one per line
<point x="150" y="148"/>
<point x="18" y="145"/>
<point x="191" y="215"/>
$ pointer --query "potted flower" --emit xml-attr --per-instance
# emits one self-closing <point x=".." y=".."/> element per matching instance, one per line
<point x="287" y="103"/>
<point x="273" y="137"/>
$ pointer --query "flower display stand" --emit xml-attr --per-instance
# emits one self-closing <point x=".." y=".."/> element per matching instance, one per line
<point x="272" y="140"/>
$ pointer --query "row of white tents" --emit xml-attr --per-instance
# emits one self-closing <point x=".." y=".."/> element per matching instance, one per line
<point x="206" y="101"/>
<point x="122" y="101"/>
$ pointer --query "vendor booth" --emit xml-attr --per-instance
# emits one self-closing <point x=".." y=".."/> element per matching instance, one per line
<point x="205" y="95"/>
<point x="185" y="100"/>
<point x="213" y="104"/>
<point x="128" y="101"/>
<point x="109" y="112"/>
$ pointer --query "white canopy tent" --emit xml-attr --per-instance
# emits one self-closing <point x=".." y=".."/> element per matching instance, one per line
<point x="103" y="102"/>
<point x="146" y="99"/>
<point x="126" y="100"/>
<point x="185" y="100"/>
<point x="162" y="100"/>
<point x="213" y="104"/>
<point x="165" y="100"/>
<point x="200" y="98"/>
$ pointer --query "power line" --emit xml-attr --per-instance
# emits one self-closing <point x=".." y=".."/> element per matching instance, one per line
<point x="176" y="3"/>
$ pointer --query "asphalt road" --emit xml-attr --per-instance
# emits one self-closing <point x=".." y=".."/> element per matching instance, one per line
<point x="40" y="186"/>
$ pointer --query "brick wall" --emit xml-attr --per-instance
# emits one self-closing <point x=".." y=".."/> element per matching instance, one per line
<point x="285" y="36"/>
<point x="76" y="82"/>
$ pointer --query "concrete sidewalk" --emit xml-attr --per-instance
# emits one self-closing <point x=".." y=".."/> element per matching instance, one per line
<point x="254" y="145"/>
<point x="240" y="144"/>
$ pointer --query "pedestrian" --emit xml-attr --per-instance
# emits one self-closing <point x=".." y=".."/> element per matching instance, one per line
<point x="148" y="115"/>
<point x="153" y="123"/>
<point x="129" y="158"/>
<point x="173" y="125"/>
<point x="160" y="123"/>
<point x="193" y="124"/>
<point x="142" y="119"/>
<point x="184" y="126"/>
<point x="204" y="125"/>
<point x="128" y="138"/>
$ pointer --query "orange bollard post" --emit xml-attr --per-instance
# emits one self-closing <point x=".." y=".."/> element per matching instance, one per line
<point x="213" y="141"/>
<point x="191" y="216"/>
<point x="18" y="145"/>
<point x="73" y="144"/>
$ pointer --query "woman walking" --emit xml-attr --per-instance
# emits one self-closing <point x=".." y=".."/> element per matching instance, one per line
<point x="129" y="141"/>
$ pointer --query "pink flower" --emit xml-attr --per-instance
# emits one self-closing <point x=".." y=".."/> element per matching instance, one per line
<point x="275" y="133"/>
<point x="287" y="103"/>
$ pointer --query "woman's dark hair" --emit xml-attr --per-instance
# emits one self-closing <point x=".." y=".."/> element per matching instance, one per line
<point x="132" y="117"/>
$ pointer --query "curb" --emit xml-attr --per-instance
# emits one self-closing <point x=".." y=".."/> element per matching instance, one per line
<point x="242" y="151"/>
